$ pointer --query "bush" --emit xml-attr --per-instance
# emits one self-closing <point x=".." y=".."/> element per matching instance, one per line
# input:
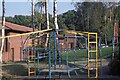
<point x="115" y="66"/>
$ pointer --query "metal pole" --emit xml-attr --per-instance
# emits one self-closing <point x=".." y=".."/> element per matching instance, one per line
<point x="67" y="51"/>
<point x="113" y="47"/>
<point x="55" y="56"/>
<point x="86" y="42"/>
<point x="75" y="51"/>
<point x="38" y="64"/>
<point x="49" y="57"/>
<point x="59" y="54"/>
<point x="100" y="54"/>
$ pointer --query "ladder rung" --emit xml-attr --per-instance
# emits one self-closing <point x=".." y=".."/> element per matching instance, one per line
<point x="92" y="68"/>
<point x="92" y="50"/>
<point x="93" y="77"/>
<point x="92" y="60"/>
<point x="31" y="72"/>
<point x="93" y="42"/>
<point x="92" y="33"/>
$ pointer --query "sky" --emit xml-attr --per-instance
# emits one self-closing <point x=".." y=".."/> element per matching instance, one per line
<point x="24" y="8"/>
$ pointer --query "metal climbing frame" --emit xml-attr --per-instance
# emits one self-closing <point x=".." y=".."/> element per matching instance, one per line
<point x="31" y="68"/>
<point x="31" y="61"/>
<point x="53" y="55"/>
<point x="92" y="56"/>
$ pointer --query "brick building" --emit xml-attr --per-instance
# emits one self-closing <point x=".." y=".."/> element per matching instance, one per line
<point x="13" y="46"/>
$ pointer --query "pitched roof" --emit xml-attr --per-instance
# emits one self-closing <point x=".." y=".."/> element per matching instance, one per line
<point x="17" y="27"/>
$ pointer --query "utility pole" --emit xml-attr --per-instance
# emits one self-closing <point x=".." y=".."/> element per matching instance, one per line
<point x="3" y="29"/>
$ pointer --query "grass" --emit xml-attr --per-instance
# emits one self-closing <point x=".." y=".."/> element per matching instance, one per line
<point x="82" y="54"/>
<point x="78" y="55"/>
<point x="13" y="70"/>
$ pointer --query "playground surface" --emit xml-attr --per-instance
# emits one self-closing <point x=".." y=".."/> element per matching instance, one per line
<point x="18" y="71"/>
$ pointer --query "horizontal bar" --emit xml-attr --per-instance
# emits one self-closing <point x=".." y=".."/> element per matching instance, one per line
<point x="92" y="60"/>
<point x="17" y="35"/>
<point x="92" y="51"/>
<point x="92" y="68"/>
<point x="93" y="42"/>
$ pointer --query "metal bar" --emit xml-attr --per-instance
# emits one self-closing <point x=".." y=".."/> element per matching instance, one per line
<point x="96" y="55"/>
<point x="55" y="56"/>
<point x="88" y="56"/>
<point x="38" y="61"/>
<point x="17" y="35"/>
<point x="59" y="54"/>
<point x="113" y="47"/>
<point x="49" y="61"/>
<point x="100" y="54"/>
<point x="75" y="51"/>
<point x="67" y="52"/>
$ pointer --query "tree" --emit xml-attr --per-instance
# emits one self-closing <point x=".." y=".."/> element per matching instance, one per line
<point x="3" y="30"/>
<point x="89" y="16"/>
<point x="55" y="14"/>
<point x="67" y="20"/>
<point x="39" y="6"/>
<point x="47" y="20"/>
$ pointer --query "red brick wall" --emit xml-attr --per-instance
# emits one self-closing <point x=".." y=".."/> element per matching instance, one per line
<point x="16" y="44"/>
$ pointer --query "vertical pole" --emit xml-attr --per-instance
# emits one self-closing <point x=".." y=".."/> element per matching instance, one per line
<point x="55" y="56"/>
<point x="3" y="30"/>
<point x="96" y="55"/>
<point x="59" y="54"/>
<point x="49" y="57"/>
<point x="86" y="42"/>
<point x="55" y="14"/>
<point x="75" y="50"/>
<point x="88" y="55"/>
<point x="47" y="20"/>
<point x="113" y="48"/>
<point x="67" y="51"/>
<point x="38" y="64"/>
<point x="100" y="54"/>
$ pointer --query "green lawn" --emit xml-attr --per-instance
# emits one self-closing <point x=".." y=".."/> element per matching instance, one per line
<point x="82" y="54"/>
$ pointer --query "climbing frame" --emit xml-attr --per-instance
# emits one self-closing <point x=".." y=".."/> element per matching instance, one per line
<point x="92" y="55"/>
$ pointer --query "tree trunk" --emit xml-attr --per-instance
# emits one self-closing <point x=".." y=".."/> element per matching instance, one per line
<point x="3" y="30"/>
<point x="32" y="14"/>
<point x="47" y="20"/>
<point x="55" y="14"/>
<point x="105" y="31"/>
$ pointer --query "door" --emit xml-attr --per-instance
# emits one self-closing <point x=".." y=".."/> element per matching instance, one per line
<point x="12" y="50"/>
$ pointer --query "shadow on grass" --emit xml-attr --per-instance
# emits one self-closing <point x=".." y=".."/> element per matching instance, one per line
<point x="15" y="69"/>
